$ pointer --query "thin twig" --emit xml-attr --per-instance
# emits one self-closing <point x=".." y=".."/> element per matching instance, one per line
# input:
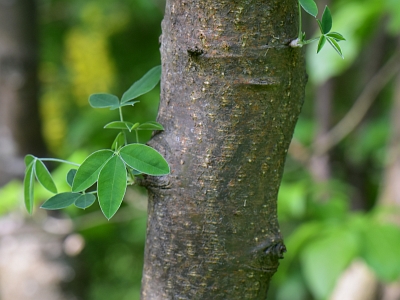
<point x="360" y="107"/>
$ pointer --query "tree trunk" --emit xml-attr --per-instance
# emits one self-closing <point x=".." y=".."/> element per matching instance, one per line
<point x="231" y="93"/>
<point x="19" y="118"/>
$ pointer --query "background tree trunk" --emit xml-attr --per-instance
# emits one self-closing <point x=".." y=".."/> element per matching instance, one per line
<point x="232" y="90"/>
<point x="19" y="117"/>
<point x="32" y="264"/>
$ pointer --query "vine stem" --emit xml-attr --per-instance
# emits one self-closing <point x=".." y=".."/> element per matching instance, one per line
<point x="60" y="161"/>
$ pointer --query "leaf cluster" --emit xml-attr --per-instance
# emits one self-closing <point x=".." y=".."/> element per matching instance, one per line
<point x="325" y="27"/>
<point x="105" y="173"/>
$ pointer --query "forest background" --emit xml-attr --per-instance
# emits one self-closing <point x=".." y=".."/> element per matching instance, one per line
<point x="339" y="202"/>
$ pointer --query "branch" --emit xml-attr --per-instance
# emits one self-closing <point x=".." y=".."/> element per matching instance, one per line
<point x="360" y="107"/>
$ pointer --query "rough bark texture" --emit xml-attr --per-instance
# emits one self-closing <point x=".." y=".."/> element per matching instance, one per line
<point x="232" y="90"/>
<point x="19" y="117"/>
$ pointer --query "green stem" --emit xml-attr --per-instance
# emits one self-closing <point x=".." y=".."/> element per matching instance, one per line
<point x="137" y="136"/>
<point x="60" y="160"/>
<point x="300" y="34"/>
<point x="125" y="138"/>
<point x="120" y="114"/>
<point x="310" y="41"/>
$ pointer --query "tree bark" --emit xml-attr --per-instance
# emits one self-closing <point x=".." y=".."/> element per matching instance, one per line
<point x="231" y="93"/>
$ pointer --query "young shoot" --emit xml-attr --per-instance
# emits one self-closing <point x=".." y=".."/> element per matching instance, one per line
<point x="324" y="25"/>
<point x="106" y="172"/>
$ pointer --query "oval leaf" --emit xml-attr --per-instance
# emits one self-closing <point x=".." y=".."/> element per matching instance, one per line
<point x="89" y="170"/>
<point x="337" y="36"/>
<point x="310" y="7"/>
<point x="28" y="187"/>
<point x="326" y="23"/>
<point x="324" y="259"/>
<point x="134" y="172"/>
<point x="85" y="200"/>
<point x="144" y="159"/>
<point x="129" y="103"/>
<point x="111" y="186"/>
<point x="152" y="125"/>
<point x="119" y="125"/>
<point x="143" y="85"/>
<point x="70" y="176"/>
<point x="119" y="141"/>
<point x="29" y="159"/>
<point x="61" y="200"/>
<point x="321" y="43"/>
<point x="335" y="46"/>
<point x="381" y="247"/>
<point x="44" y="177"/>
<point x="103" y="100"/>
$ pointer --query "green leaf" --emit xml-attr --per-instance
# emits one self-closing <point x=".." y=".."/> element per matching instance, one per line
<point x="151" y="125"/>
<point x="309" y="6"/>
<point x="336" y="35"/>
<point x="29" y="159"/>
<point x="85" y="200"/>
<point x="129" y="103"/>
<point x="135" y="126"/>
<point x="143" y="85"/>
<point x="103" y="100"/>
<point x="119" y="125"/>
<point x="381" y="248"/>
<point x="44" y="177"/>
<point x="144" y="159"/>
<point x="28" y="187"/>
<point x="134" y="172"/>
<point x="321" y="43"/>
<point x="119" y="141"/>
<point x="70" y="176"/>
<point x="61" y="200"/>
<point x="112" y="186"/>
<point x="324" y="259"/>
<point x="335" y="46"/>
<point x="326" y="23"/>
<point x="89" y="170"/>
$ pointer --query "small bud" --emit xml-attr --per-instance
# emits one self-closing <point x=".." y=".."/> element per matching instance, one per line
<point x="295" y="44"/>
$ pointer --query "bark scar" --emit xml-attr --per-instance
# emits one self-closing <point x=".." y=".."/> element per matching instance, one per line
<point x="195" y="51"/>
<point x="273" y="248"/>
